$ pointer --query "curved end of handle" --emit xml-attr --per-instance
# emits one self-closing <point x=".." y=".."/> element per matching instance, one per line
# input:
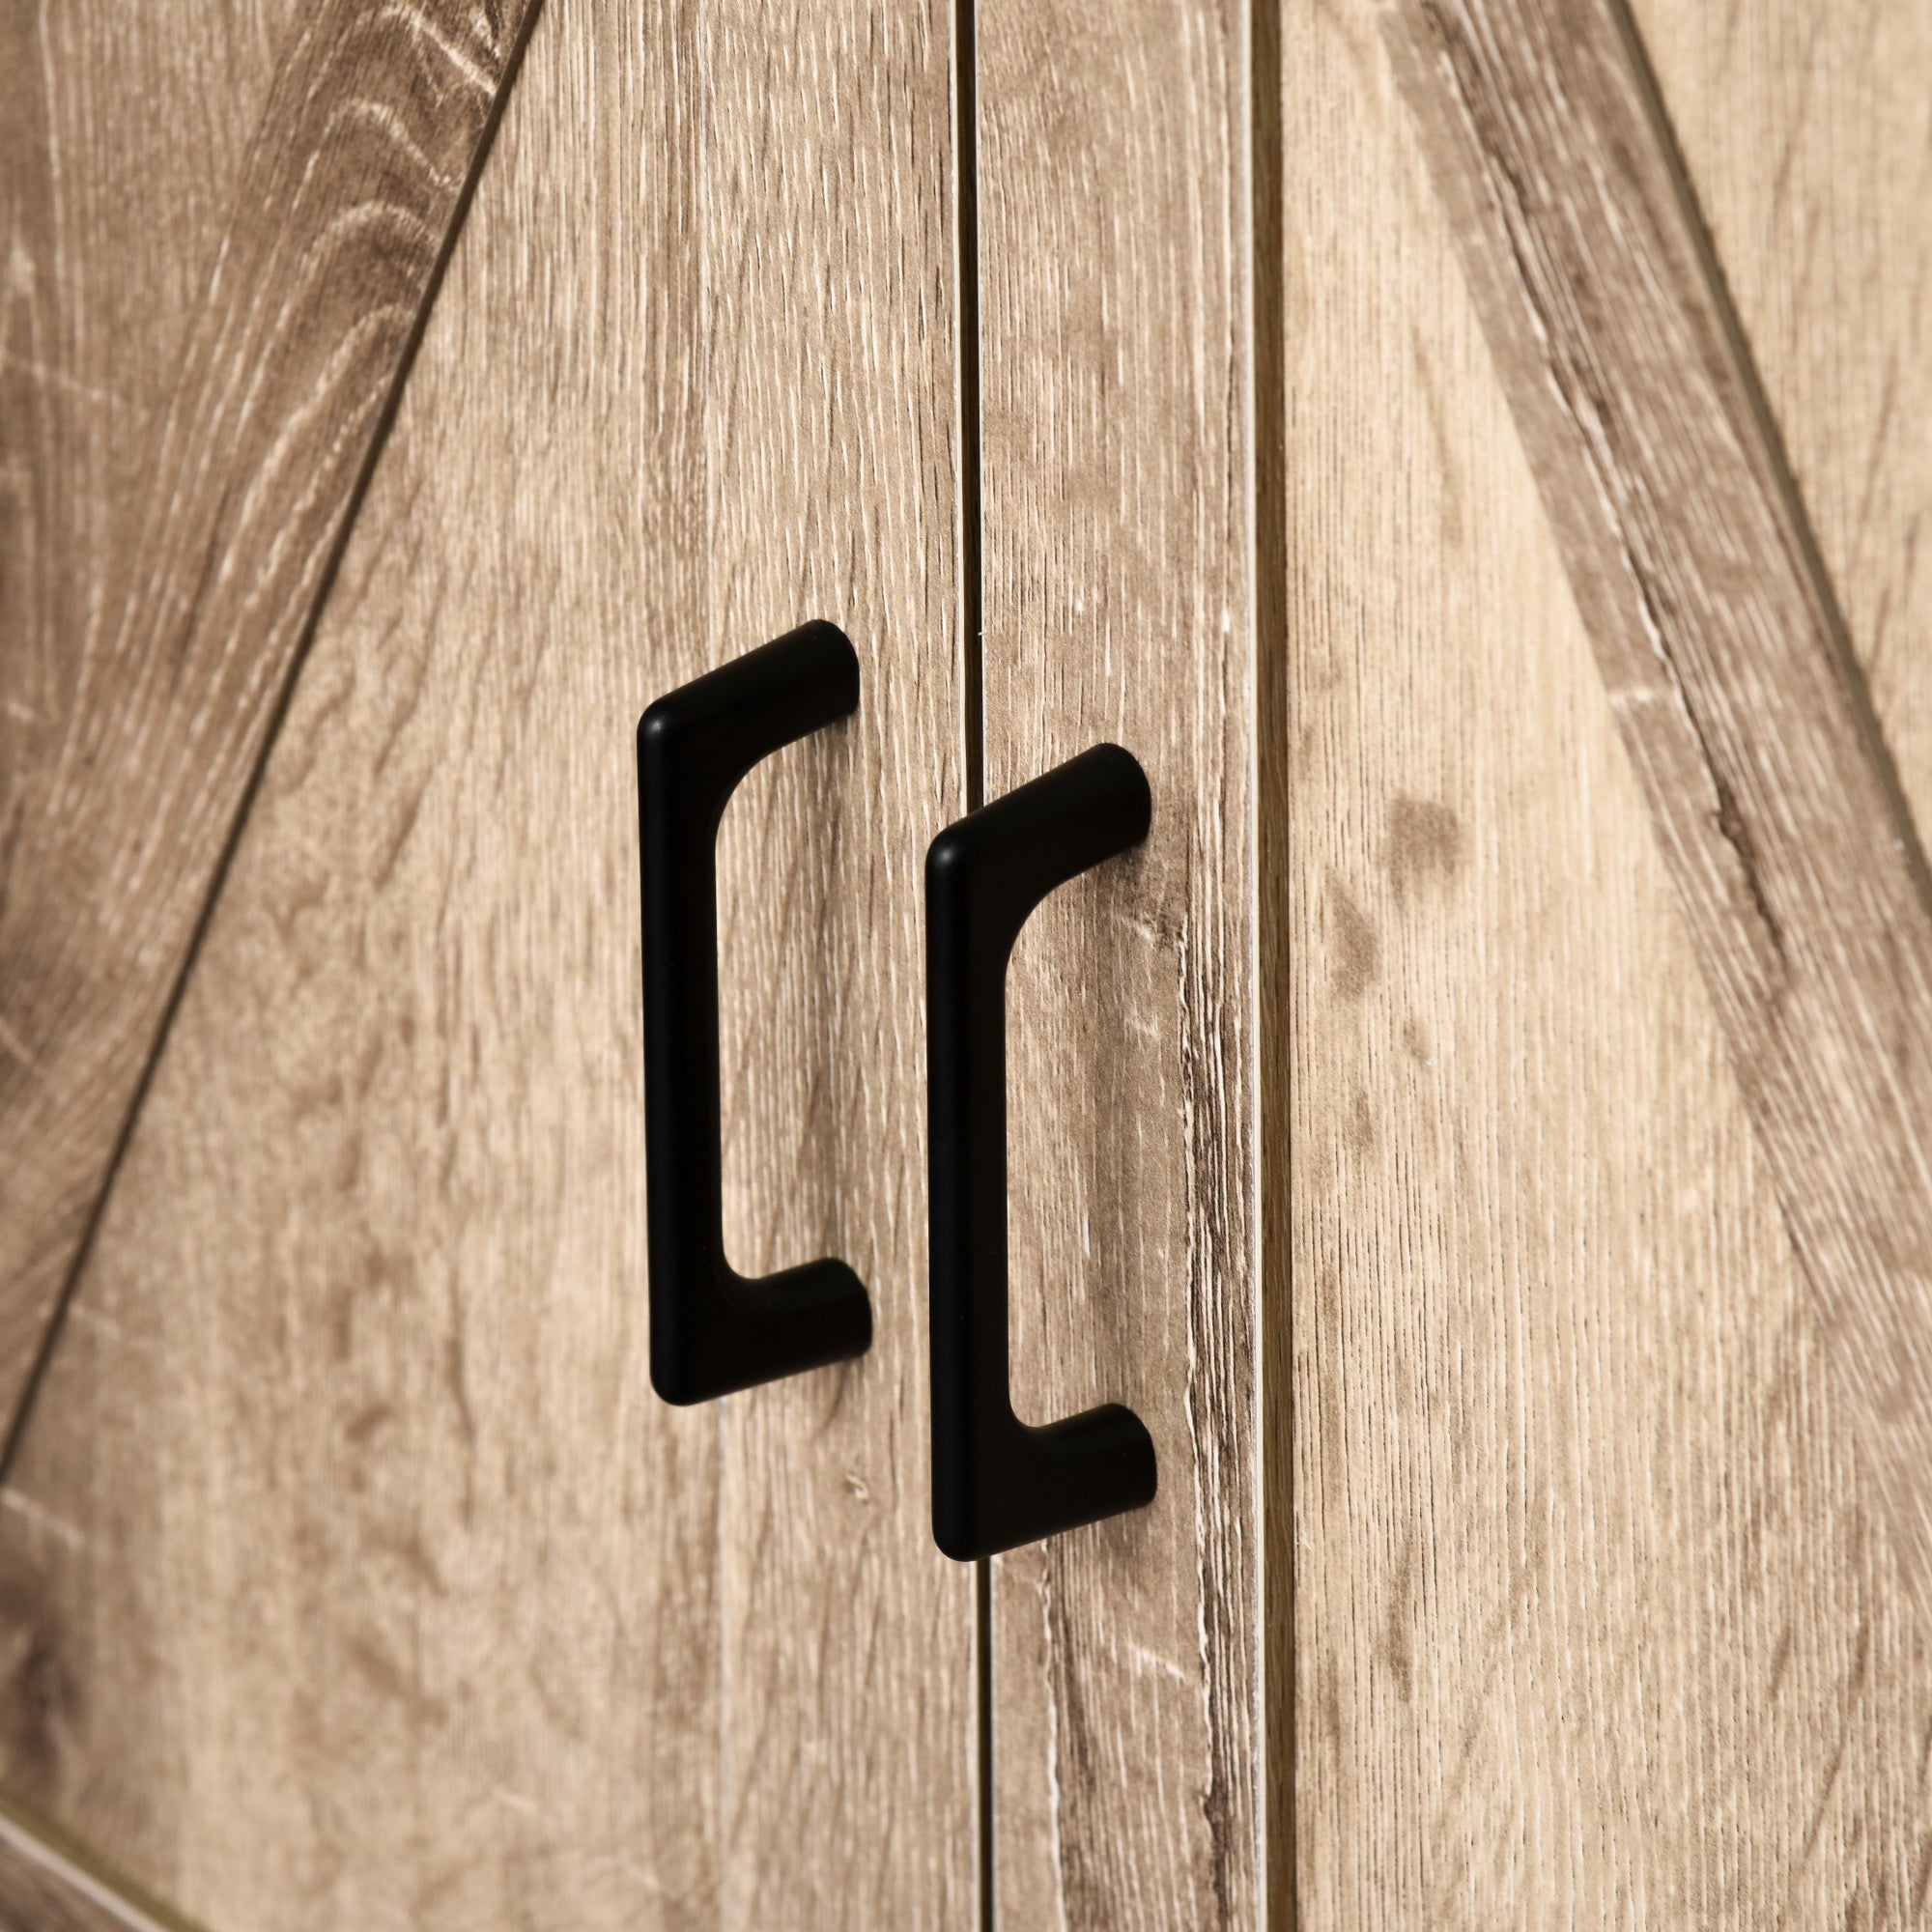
<point x="1120" y="779"/>
<point x="1110" y="1453"/>
<point x="750" y="1331"/>
<point x="1037" y="1483"/>
<point x="993" y="866"/>
<point x="811" y="1317"/>
<point x="754" y="704"/>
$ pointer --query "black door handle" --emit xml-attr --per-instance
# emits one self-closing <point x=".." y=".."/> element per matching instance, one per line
<point x="712" y="1329"/>
<point x="996" y="1481"/>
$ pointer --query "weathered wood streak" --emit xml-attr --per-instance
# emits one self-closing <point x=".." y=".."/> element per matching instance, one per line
<point x="164" y="651"/>
<point x="1798" y="875"/>
<point x="1114" y="145"/>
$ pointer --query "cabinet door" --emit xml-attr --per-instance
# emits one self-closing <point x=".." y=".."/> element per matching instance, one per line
<point x="1579" y="1600"/>
<point x="1598" y="1617"/>
<point x="1114" y="239"/>
<point x="362" y="1578"/>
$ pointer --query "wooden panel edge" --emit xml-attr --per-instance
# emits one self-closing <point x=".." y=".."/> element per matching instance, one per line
<point x="172" y="667"/>
<point x="58" y="1889"/>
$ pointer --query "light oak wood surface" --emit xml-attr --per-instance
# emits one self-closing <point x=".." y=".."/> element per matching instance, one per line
<point x="112" y="222"/>
<point x="351" y="1575"/>
<point x="1596" y="1618"/>
<point x="851" y="1787"/>
<point x="165" y="551"/>
<point x="370" y="1583"/>
<point x="1113" y="292"/>
<point x="1723" y="651"/>
<point x="1808" y="132"/>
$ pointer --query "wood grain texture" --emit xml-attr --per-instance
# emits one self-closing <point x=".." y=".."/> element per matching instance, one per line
<point x="43" y="1890"/>
<point x="1799" y="872"/>
<point x="111" y="220"/>
<point x="1808" y="132"/>
<point x="366" y="1582"/>
<point x="1113" y="257"/>
<point x="851" y="1780"/>
<point x="154" y="608"/>
<point x="1597" y="1620"/>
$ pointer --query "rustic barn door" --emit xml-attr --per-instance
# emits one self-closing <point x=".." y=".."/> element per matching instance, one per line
<point x="353" y="1576"/>
<point x="1472" y="455"/>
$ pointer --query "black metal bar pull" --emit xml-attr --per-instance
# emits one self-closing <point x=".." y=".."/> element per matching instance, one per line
<point x="712" y="1330"/>
<point x="998" y="1481"/>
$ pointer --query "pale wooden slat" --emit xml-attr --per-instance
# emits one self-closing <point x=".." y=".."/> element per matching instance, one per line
<point x="1595" y="1621"/>
<point x="165" y="600"/>
<point x="850" y="1793"/>
<point x="372" y="1584"/>
<point x="111" y="220"/>
<point x="1808" y="132"/>
<point x="1798" y="873"/>
<point x="1113" y="259"/>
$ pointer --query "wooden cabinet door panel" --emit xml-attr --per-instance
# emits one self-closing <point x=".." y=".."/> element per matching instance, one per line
<point x="367" y="1582"/>
<point x="1117" y="606"/>
<point x="1599" y="1618"/>
<point x="1517" y="1558"/>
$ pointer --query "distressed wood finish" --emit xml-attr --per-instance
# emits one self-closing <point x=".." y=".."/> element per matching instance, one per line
<point x="1808" y="132"/>
<point x="832" y="462"/>
<point x="1113" y="154"/>
<point x="367" y="1582"/>
<point x="1799" y="872"/>
<point x="154" y="610"/>
<point x="1596" y="1622"/>
<point x="111" y="219"/>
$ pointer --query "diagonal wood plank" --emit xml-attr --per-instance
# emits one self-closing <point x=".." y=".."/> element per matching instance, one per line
<point x="43" y="1890"/>
<point x="1807" y="131"/>
<point x="169" y="665"/>
<point x="1796" y="866"/>
<point x="110" y="220"/>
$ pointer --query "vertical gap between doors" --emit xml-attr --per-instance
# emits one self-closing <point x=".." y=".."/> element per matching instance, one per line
<point x="1274" y="1350"/>
<point x="982" y="1621"/>
<point x="966" y="109"/>
<point x="966" y="202"/>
